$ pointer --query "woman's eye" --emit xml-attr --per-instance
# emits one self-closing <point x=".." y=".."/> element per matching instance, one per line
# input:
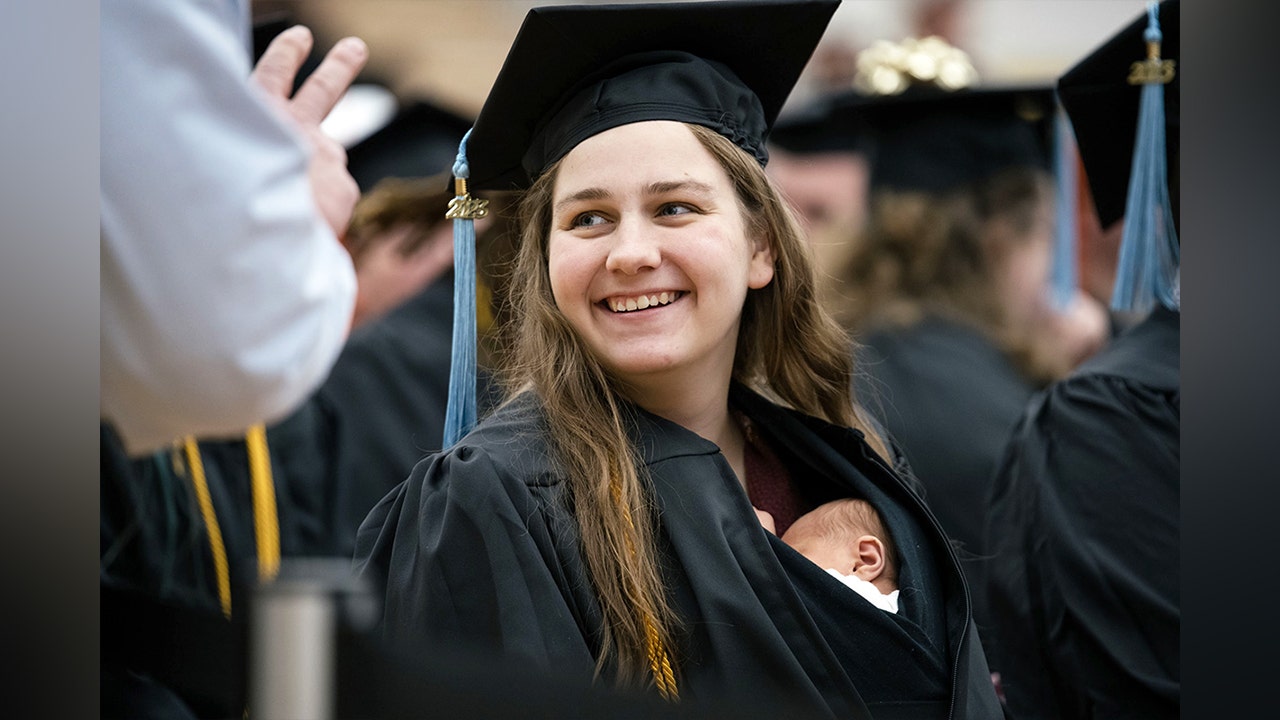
<point x="587" y="219"/>
<point x="673" y="209"/>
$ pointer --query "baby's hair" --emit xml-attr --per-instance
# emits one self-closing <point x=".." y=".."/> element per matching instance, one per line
<point x="839" y="519"/>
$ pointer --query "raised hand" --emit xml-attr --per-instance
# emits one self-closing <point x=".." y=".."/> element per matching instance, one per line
<point x="335" y="190"/>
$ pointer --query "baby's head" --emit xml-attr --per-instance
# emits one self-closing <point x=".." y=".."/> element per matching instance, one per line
<point x="847" y="536"/>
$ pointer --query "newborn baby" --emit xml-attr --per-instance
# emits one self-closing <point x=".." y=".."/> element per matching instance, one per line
<point x="847" y="539"/>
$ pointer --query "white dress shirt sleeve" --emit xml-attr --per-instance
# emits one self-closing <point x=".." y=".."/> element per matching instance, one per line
<point x="225" y="296"/>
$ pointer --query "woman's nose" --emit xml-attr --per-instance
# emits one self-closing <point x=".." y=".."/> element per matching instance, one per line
<point x="634" y="248"/>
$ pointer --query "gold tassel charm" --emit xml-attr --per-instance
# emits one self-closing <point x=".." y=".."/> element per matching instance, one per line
<point x="463" y="206"/>
<point x="1153" y="70"/>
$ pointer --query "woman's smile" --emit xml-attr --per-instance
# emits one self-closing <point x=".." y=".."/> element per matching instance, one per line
<point x="643" y="301"/>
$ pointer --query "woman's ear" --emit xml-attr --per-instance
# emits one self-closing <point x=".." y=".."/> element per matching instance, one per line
<point x="869" y="557"/>
<point x="760" y="272"/>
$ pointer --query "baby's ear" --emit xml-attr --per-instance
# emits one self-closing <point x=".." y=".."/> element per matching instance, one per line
<point x="869" y="560"/>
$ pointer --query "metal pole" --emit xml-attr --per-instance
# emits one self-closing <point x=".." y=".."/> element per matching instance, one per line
<point x="292" y="639"/>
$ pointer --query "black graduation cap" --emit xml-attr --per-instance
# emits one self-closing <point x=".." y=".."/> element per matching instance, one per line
<point x="934" y="140"/>
<point x="420" y="141"/>
<point x="829" y="123"/>
<point x="577" y="70"/>
<point x="1103" y="108"/>
<point x="1123" y="104"/>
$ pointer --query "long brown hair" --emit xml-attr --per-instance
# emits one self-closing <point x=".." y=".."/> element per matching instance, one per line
<point x="788" y="348"/>
<point x="941" y="254"/>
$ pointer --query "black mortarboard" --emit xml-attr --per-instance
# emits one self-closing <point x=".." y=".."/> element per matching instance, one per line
<point x="420" y="141"/>
<point x="1123" y="104"/>
<point x="1103" y="108"/>
<point x="913" y="104"/>
<point x="829" y="123"/>
<point x="577" y="70"/>
<point x="934" y="140"/>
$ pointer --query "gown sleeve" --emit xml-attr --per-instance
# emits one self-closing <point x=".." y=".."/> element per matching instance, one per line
<point x="472" y="557"/>
<point x="1084" y="534"/>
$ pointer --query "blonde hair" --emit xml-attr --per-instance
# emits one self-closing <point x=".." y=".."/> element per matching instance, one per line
<point x="788" y="349"/>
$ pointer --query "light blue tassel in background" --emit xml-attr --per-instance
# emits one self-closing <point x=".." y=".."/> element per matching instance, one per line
<point x="1064" y="278"/>
<point x="460" y="413"/>
<point x="1149" y="251"/>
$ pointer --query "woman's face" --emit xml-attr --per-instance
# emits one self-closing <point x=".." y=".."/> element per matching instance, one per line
<point x="1027" y="267"/>
<point x="650" y="260"/>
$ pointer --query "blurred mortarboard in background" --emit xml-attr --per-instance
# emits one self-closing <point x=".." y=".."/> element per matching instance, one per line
<point x="1124" y="112"/>
<point x="577" y="70"/>
<point x="933" y="140"/>
<point x="828" y="123"/>
<point x="916" y="105"/>
<point x="420" y="141"/>
<point x="366" y="106"/>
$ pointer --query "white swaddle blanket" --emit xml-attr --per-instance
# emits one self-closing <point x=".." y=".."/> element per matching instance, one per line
<point x="867" y="590"/>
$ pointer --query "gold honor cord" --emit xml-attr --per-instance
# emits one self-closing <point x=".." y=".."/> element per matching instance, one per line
<point x="659" y="662"/>
<point x="266" y="522"/>
<point x="196" y="469"/>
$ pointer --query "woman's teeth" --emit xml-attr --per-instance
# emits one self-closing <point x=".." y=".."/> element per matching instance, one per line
<point x="640" y="302"/>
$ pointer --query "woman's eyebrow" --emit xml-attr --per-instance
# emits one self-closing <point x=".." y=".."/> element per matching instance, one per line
<point x="587" y="194"/>
<point x="663" y="187"/>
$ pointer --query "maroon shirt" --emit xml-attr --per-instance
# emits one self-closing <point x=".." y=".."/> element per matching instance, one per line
<point x="769" y="485"/>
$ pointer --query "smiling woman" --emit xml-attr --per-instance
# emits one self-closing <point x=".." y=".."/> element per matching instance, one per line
<point x="644" y="236"/>
<point x="672" y="369"/>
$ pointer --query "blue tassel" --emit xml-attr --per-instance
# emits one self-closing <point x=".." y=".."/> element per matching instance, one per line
<point x="460" y="413"/>
<point x="1064" y="276"/>
<point x="1149" y="250"/>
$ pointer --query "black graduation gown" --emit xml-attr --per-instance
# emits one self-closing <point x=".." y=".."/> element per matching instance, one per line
<point x="156" y="569"/>
<point x="1084" y="530"/>
<point x="379" y="411"/>
<point x="476" y="549"/>
<point x="949" y="397"/>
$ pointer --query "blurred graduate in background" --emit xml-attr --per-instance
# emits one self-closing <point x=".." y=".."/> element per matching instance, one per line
<point x="820" y="158"/>
<point x="1084" y="525"/>
<point x="946" y="289"/>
